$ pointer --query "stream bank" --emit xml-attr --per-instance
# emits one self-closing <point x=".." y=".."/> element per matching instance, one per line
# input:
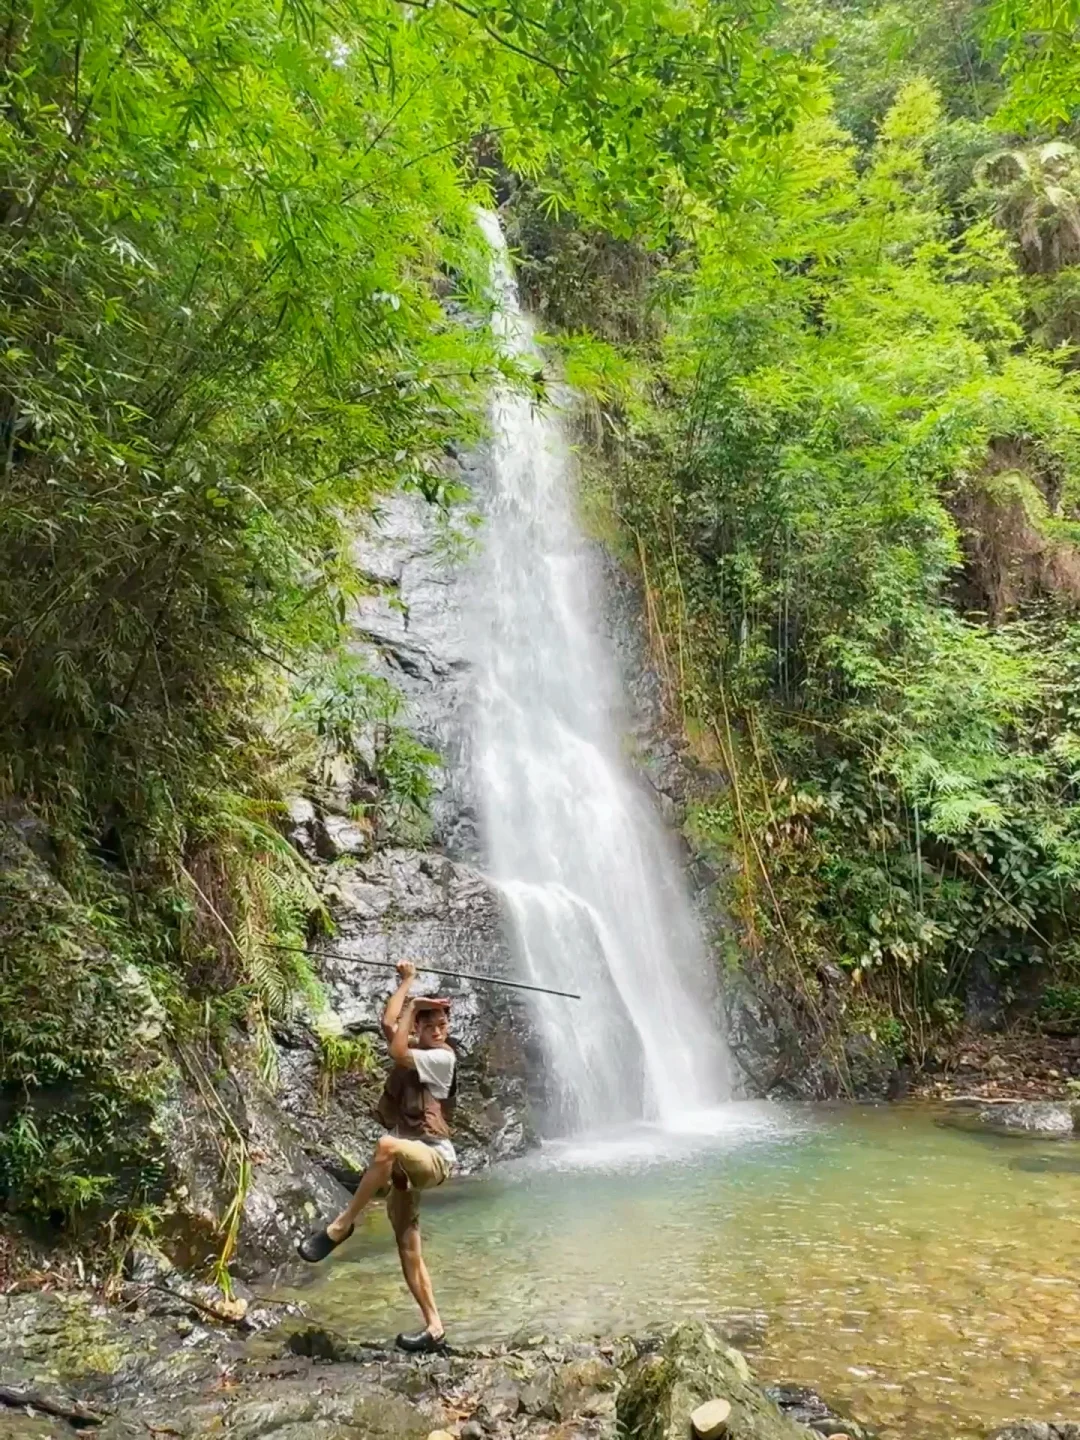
<point x="155" y="1365"/>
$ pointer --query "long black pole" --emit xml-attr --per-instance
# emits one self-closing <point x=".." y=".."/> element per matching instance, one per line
<point x="427" y="970"/>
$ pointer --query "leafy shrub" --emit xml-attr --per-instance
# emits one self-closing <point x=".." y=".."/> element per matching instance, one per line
<point x="81" y="1065"/>
<point x="1061" y="1004"/>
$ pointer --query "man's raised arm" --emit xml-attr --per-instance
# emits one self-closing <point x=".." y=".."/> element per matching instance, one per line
<point x="397" y="1017"/>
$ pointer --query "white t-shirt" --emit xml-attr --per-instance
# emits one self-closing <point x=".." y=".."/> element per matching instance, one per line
<point x="436" y="1071"/>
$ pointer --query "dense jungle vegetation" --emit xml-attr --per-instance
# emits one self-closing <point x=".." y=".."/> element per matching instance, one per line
<point x="848" y="462"/>
<point x="816" y="268"/>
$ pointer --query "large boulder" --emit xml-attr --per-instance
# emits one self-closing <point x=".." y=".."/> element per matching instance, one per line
<point x="1031" y="1117"/>
<point x="695" y="1365"/>
<point x="1046" y="1119"/>
<point x="240" y="1177"/>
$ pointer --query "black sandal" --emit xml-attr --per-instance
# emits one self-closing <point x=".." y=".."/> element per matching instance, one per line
<point x="423" y="1344"/>
<point x="318" y="1245"/>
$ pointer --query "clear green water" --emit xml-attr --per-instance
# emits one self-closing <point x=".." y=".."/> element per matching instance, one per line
<point x="926" y="1278"/>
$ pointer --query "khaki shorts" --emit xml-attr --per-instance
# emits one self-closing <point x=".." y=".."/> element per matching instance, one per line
<point x="424" y="1168"/>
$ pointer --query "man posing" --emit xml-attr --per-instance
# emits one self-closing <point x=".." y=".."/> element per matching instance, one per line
<point x="417" y="1108"/>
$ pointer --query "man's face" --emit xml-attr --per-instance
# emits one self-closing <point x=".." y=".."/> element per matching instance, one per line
<point x="432" y="1028"/>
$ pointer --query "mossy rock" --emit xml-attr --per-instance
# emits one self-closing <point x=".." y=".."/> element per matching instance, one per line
<point x="663" y="1389"/>
<point x="60" y="1337"/>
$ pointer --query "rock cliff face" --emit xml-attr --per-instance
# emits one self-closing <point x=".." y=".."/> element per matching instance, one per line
<point x="430" y="903"/>
<point x="782" y="1047"/>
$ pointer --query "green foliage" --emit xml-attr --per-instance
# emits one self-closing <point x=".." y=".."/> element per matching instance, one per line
<point x="344" y="1055"/>
<point x="1060" y="1004"/>
<point x="875" y="47"/>
<point x="1042" y="44"/>
<point x="79" y="1068"/>
<point x="239" y="247"/>
<point x="857" y="451"/>
<point x="355" y="716"/>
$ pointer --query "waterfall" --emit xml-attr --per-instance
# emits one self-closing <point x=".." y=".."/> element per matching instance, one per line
<point x="592" y="888"/>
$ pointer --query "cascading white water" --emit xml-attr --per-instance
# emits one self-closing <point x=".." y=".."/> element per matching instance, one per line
<point x="593" y="891"/>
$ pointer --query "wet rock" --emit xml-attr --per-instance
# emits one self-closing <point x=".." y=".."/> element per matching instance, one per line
<point x="316" y="1342"/>
<point x="586" y="1386"/>
<point x="695" y="1365"/>
<point x="871" y="1066"/>
<point x="341" y="836"/>
<point x="1037" y="1430"/>
<point x="285" y="1189"/>
<point x="538" y="1393"/>
<point x="410" y="632"/>
<point x="302" y="827"/>
<point x="297" y="1410"/>
<point x="145" y="1375"/>
<point x="806" y="1407"/>
<point x="1032" y="1117"/>
<point x="500" y="1398"/>
<point x="58" y="1338"/>
<point x="1047" y="1118"/>
<point x="1047" y="1164"/>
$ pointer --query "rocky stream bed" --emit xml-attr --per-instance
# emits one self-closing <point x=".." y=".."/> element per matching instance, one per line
<point x="154" y="1363"/>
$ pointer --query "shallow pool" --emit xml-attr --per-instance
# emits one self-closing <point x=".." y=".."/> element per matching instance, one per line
<point x="927" y="1278"/>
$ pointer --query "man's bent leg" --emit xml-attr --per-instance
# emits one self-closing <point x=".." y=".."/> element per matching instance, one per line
<point x="403" y="1208"/>
<point x="374" y="1178"/>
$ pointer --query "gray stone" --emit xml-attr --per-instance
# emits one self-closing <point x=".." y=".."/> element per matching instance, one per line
<point x="303" y="826"/>
<point x="205" y="1142"/>
<point x="1038" y="1430"/>
<point x="1051" y="1119"/>
<point x="409" y="631"/>
<point x="500" y="1398"/>
<point x="694" y="1365"/>
<point x="341" y="836"/>
<point x="1031" y="1117"/>
<point x="538" y="1393"/>
<point x="146" y="1372"/>
<point x="806" y="1407"/>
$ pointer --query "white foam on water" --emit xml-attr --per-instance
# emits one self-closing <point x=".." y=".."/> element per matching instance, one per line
<point x="694" y="1135"/>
